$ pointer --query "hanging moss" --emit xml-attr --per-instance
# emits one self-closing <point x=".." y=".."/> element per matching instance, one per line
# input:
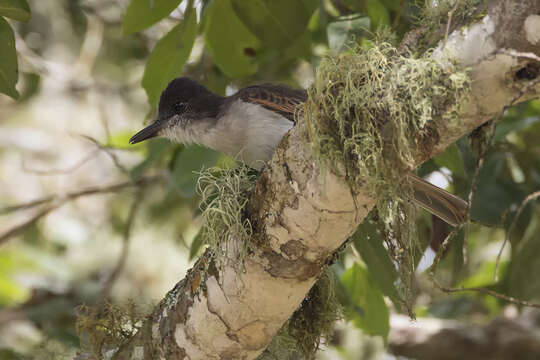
<point x="370" y="114"/>
<point x="224" y="195"/>
<point x="310" y="325"/>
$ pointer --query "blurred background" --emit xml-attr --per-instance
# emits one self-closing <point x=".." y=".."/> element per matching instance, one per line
<point x="84" y="216"/>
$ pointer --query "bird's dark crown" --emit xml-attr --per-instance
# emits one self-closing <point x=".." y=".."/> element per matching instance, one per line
<point x="186" y="96"/>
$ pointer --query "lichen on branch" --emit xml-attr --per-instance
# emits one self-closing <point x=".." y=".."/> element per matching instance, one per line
<point x="371" y="115"/>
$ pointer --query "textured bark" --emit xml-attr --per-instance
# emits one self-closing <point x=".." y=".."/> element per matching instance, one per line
<point x="302" y="213"/>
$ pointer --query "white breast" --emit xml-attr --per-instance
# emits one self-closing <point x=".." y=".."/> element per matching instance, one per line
<point x="249" y="132"/>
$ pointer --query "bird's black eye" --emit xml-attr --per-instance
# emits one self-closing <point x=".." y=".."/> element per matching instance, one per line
<point x="180" y="107"/>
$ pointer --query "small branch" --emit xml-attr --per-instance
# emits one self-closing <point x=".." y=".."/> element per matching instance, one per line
<point x="85" y="192"/>
<point x="61" y="200"/>
<point x="482" y="290"/>
<point x="107" y="150"/>
<point x="449" y="22"/>
<point x="91" y="155"/>
<point x="18" y="228"/>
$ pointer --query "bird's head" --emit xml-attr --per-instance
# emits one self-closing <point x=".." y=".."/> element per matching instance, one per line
<point x="182" y="106"/>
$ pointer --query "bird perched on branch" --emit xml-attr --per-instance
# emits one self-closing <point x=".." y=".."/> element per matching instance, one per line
<point x="250" y="124"/>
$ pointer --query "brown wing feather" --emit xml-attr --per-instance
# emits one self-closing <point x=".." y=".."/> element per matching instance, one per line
<point x="279" y="98"/>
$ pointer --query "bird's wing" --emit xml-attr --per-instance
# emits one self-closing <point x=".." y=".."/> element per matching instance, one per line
<point x="279" y="98"/>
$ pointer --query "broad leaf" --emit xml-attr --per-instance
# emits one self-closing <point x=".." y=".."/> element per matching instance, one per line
<point x="277" y="23"/>
<point x="15" y="9"/>
<point x="493" y="195"/>
<point x="451" y="159"/>
<point x="509" y="125"/>
<point x="8" y="61"/>
<point x="522" y="280"/>
<point x="369" y="243"/>
<point x="157" y="148"/>
<point x="346" y="30"/>
<point x="196" y="245"/>
<point x="377" y="13"/>
<point x="365" y="293"/>
<point x="231" y="44"/>
<point x="141" y="14"/>
<point x="187" y="165"/>
<point x="168" y="58"/>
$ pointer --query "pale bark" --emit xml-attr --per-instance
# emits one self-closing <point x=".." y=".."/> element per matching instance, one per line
<point x="302" y="213"/>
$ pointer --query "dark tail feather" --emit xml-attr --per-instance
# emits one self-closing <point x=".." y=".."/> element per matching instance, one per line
<point x="439" y="202"/>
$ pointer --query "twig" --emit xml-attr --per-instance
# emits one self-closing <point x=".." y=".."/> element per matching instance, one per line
<point x="442" y="250"/>
<point x="18" y="228"/>
<point x="85" y="192"/>
<point x="528" y="199"/>
<point x="450" y="14"/>
<point x="107" y="150"/>
<point x="61" y="200"/>
<point x="92" y="154"/>
<point x="482" y="290"/>
<point x="111" y="280"/>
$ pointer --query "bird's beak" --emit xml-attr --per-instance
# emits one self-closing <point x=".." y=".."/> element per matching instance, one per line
<point x="148" y="132"/>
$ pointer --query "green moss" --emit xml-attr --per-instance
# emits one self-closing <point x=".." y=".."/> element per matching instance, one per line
<point x="377" y="113"/>
<point x="310" y="325"/>
<point x="224" y="196"/>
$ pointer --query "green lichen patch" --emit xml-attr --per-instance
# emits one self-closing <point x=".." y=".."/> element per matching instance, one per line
<point x="310" y="325"/>
<point x="371" y="115"/>
<point x="224" y="196"/>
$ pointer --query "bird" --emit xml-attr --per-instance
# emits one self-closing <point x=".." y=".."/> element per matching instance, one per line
<point x="250" y="124"/>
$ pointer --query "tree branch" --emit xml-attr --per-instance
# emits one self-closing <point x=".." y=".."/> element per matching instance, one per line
<point x="53" y="202"/>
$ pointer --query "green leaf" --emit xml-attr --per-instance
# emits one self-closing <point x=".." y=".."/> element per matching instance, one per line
<point x="187" y="165"/>
<point x="229" y="41"/>
<point x="196" y="245"/>
<point x="140" y="14"/>
<point x="366" y="294"/>
<point x="369" y="243"/>
<point x="522" y="282"/>
<point x="156" y="150"/>
<point x="168" y="58"/>
<point x="451" y="159"/>
<point x="493" y="195"/>
<point x="15" y="9"/>
<point x="377" y="13"/>
<point x="10" y="291"/>
<point x="277" y="23"/>
<point x="346" y="30"/>
<point x="509" y="125"/>
<point x="8" y="61"/>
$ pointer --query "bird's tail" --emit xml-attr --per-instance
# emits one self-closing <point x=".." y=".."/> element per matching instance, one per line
<point x="439" y="202"/>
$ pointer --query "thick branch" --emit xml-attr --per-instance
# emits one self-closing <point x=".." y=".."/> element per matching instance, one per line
<point x="302" y="214"/>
